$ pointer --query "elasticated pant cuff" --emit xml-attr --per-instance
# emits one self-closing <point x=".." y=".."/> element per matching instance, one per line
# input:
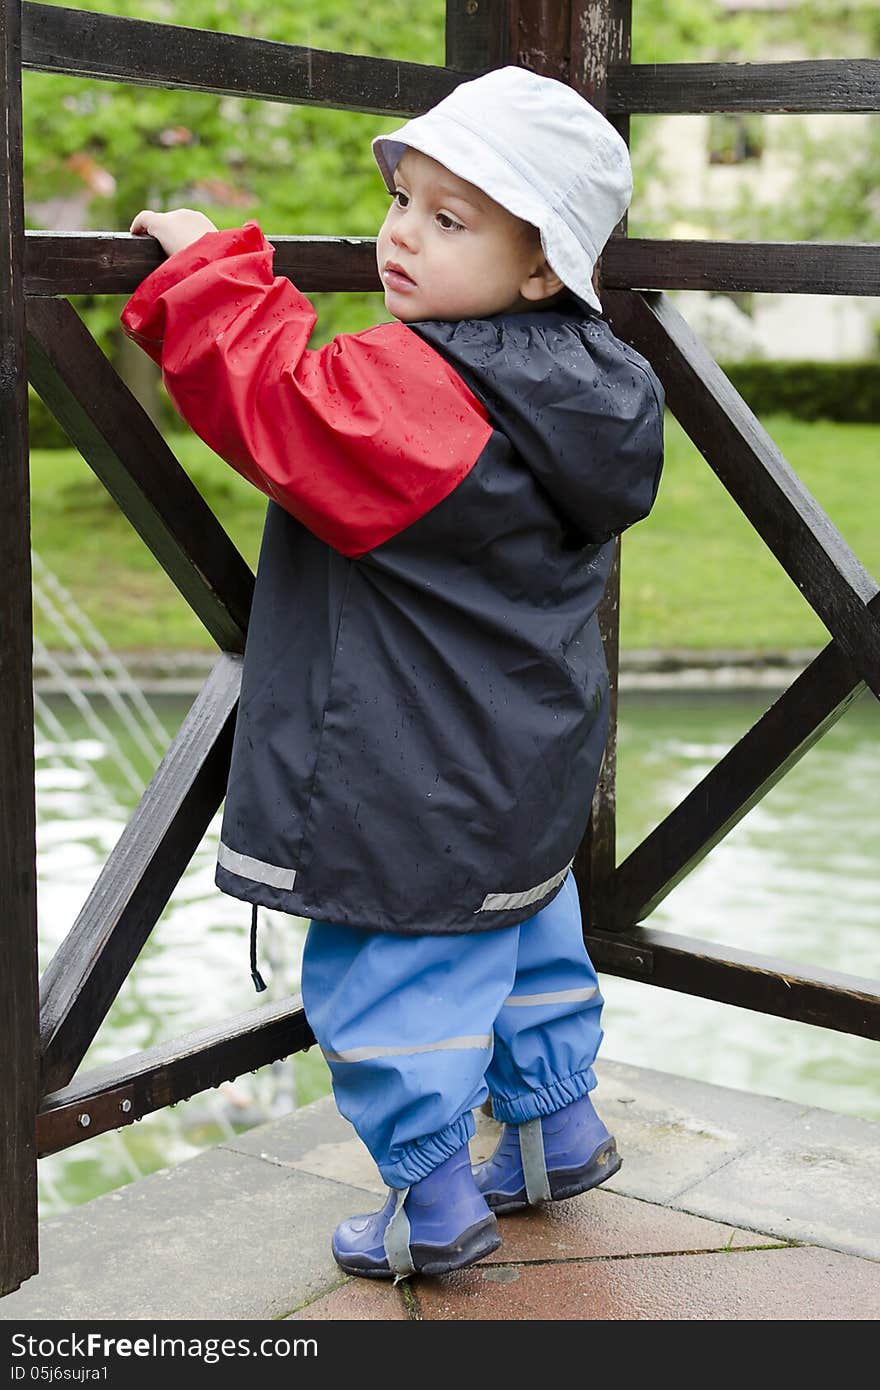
<point x="412" y="1162"/>
<point x="516" y="1110"/>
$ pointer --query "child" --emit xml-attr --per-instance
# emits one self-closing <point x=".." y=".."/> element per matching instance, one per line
<point x="424" y="703"/>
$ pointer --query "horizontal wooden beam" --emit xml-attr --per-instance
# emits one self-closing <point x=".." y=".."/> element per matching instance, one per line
<point x="125" y="449"/>
<point x="811" y="705"/>
<point x="121" y="1092"/>
<point x="759" y="479"/>
<point x="825" y="84"/>
<point x="760" y="267"/>
<point x="825" y="998"/>
<point x="92" y="962"/>
<point x="63" y="263"/>
<point x="109" y="48"/>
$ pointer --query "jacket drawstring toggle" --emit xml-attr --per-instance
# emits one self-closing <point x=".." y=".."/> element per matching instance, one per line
<point x="259" y="982"/>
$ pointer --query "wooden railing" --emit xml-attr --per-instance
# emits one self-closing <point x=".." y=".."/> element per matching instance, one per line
<point x="46" y="1029"/>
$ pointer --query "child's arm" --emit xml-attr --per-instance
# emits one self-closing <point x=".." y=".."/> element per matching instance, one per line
<point x="346" y="438"/>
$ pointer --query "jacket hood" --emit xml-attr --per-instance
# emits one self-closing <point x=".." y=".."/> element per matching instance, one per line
<point x="582" y="409"/>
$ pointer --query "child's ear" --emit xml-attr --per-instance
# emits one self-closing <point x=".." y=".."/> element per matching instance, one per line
<point x="540" y="283"/>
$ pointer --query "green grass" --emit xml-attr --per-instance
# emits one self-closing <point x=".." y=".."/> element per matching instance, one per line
<point x="694" y="575"/>
<point x="80" y="533"/>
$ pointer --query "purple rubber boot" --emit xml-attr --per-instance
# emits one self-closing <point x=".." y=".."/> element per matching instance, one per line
<point x="438" y="1224"/>
<point x="545" y="1160"/>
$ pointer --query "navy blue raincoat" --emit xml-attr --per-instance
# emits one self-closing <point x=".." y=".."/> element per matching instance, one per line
<point x="424" y="704"/>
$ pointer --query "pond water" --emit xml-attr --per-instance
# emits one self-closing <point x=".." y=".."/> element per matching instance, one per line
<point x="798" y="878"/>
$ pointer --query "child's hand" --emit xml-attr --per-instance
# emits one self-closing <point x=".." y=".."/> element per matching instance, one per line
<point x="173" y="230"/>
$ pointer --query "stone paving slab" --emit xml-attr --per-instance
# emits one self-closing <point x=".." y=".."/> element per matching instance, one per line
<point x="804" y="1283"/>
<point x="218" y="1236"/>
<point x="793" y="1171"/>
<point x="320" y="1142"/>
<point x="360" y="1300"/>
<point x="600" y="1223"/>
<point x="596" y="1226"/>
<point x="673" y="1132"/>
<point x="242" y="1231"/>
<point x="818" y="1180"/>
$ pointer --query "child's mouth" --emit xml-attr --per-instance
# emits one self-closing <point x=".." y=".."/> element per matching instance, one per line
<point x="396" y="279"/>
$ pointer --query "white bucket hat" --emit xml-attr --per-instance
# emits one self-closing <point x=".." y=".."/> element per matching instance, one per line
<point x="540" y="150"/>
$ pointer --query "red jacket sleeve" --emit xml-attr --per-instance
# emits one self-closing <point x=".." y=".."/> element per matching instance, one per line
<point x="357" y="439"/>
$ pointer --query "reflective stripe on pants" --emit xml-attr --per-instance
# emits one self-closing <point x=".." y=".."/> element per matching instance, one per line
<point x="417" y="1030"/>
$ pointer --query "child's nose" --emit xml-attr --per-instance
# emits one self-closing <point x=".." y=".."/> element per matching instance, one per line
<point x="404" y="232"/>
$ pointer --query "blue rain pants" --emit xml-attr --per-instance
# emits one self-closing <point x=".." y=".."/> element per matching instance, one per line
<point x="417" y="1030"/>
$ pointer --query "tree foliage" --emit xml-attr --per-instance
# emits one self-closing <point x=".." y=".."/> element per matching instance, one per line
<point x="299" y="170"/>
<point x="109" y="149"/>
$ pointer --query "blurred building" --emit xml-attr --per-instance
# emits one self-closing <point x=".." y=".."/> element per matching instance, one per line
<point x="705" y="163"/>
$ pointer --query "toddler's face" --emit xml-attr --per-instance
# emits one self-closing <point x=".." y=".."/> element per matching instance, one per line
<point x="461" y="254"/>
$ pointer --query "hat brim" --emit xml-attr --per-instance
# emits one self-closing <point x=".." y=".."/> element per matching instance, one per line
<point x="465" y="154"/>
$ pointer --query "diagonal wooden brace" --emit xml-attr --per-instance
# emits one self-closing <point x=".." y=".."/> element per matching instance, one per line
<point x="92" y="963"/>
<point x="798" y="719"/>
<point x="765" y="487"/>
<point x="122" y="445"/>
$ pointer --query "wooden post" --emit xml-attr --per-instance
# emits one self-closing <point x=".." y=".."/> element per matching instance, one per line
<point x="540" y="36"/>
<point x="573" y="41"/>
<point x="18" y="897"/>
<point x="600" y="35"/>
<point x="477" y="35"/>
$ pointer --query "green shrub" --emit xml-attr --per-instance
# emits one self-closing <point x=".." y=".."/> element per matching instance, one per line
<point x="44" y="430"/>
<point x="846" y="391"/>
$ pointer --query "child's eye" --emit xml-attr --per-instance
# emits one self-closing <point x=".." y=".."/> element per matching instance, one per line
<point x="397" y="195"/>
<point x="443" y="218"/>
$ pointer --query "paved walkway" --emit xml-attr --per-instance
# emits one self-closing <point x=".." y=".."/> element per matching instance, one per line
<point x="728" y="1206"/>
